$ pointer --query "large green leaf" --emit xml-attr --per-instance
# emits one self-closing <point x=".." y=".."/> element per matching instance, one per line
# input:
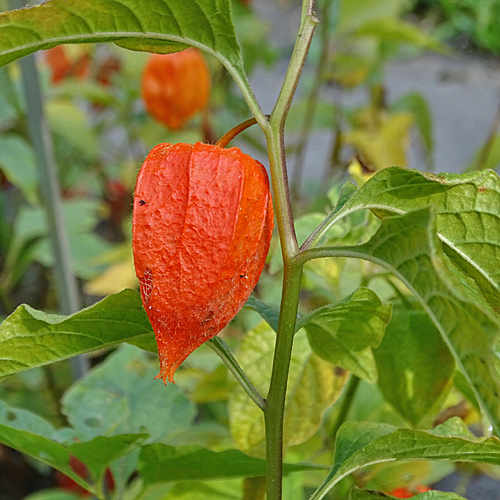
<point x="360" y="444"/>
<point x="160" y="463"/>
<point x="408" y="246"/>
<point x="344" y="334"/>
<point x="122" y="396"/>
<point x="30" y="338"/>
<point x="153" y="25"/>
<point x="467" y="208"/>
<point x="313" y="385"/>
<point x="414" y="365"/>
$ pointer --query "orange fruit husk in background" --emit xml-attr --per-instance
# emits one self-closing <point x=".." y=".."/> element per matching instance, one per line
<point x="405" y="493"/>
<point x="202" y="225"/>
<point x="62" y="66"/>
<point x="176" y="86"/>
<point x="65" y="483"/>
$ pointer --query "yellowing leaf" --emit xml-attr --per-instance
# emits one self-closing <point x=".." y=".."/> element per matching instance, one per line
<point x="115" y="279"/>
<point x="384" y="145"/>
<point x="313" y="386"/>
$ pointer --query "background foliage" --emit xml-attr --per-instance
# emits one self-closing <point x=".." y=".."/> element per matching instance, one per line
<point x="366" y="350"/>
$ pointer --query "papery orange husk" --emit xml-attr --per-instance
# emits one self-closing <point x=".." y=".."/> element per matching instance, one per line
<point x="202" y="225"/>
<point x="176" y="86"/>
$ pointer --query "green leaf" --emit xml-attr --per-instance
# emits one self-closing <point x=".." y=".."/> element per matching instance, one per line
<point x="415" y="366"/>
<point x="360" y="444"/>
<point x="357" y="494"/>
<point x="227" y="489"/>
<point x="396" y="30"/>
<point x="345" y="193"/>
<point x="17" y="162"/>
<point x="93" y="453"/>
<point x="268" y="313"/>
<point x="41" y="448"/>
<point x="338" y="201"/>
<point x="324" y="116"/>
<point x="98" y="453"/>
<point x="488" y="155"/>
<point x="344" y="334"/>
<point x="25" y="420"/>
<point x="408" y="246"/>
<point x="418" y="107"/>
<point x="89" y="90"/>
<point x="254" y="488"/>
<point x="70" y="122"/>
<point x="468" y="216"/>
<point x="163" y="26"/>
<point x="52" y="494"/>
<point x="355" y="14"/>
<point x="438" y="495"/>
<point x="80" y="217"/>
<point x="160" y="463"/>
<point x="30" y="338"/>
<point x="121" y="396"/>
<point x="313" y="385"/>
<point x="8" y="99"/>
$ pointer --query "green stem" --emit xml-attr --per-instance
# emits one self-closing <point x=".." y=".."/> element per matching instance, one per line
<point x="221" y="349"/>
<point x="276" y="397"/>
<point x="346" y="404"/>
<point x="274" y="133"/>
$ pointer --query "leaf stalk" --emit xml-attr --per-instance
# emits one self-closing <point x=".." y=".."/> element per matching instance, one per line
<point x="221" y="349"/>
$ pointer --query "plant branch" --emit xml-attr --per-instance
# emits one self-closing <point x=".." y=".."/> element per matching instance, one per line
<point x="229" y="136"/>
<point x="275" y="134"/>
<point x="275" y="408"/>
<point x="308" y="24"/>
<point x="277" y="391"/>
<point x="346" y="404"/>
<point x="221" y="349"/>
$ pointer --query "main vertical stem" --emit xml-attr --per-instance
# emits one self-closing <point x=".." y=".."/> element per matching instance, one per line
<point x="276" y="397"/>
<point x="275" y="402"/>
